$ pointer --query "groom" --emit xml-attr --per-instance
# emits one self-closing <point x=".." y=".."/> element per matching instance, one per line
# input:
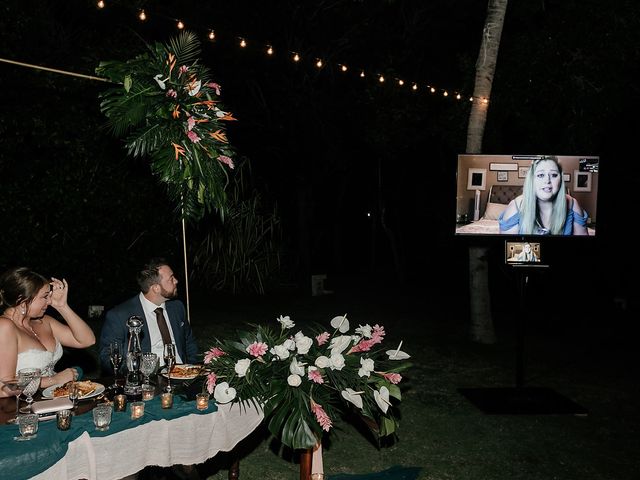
<point x="162" y="315"/>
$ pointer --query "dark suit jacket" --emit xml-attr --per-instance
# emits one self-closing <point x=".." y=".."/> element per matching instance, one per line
<point x="115" y="328"/>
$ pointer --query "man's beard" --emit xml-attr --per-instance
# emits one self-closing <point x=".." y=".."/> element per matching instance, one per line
<point x="168" y="294"/>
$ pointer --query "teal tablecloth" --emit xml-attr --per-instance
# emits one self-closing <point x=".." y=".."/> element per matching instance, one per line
<point x="22" y="460"/>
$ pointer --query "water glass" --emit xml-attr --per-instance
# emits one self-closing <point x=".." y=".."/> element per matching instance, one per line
<point x="63" y="419"/>
<point x="28" y="426"/>
<point x="102" y="416"/>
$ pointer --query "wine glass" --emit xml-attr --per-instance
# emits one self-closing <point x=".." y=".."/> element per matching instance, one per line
<point x="74" y="393"/>
<point x="29" y="380"/>
<point x="115" y="355"/>
<point x="11" y="385"/>
<point x="148" y="366"/>
<point x="169" y="354"/>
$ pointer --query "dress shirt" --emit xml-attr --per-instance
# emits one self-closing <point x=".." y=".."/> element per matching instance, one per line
<point x="157" y="346"/>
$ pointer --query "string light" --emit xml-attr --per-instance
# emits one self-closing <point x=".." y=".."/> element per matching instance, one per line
<point x="485" y="100"/>
<point x="296" y="57"/>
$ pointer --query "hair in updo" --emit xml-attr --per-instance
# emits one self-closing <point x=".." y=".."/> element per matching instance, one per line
<point x="19" y="284"/>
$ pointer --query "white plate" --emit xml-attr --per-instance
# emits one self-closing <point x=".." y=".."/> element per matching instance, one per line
<point x="48" y="392"/>
<point x="163" y="372"/>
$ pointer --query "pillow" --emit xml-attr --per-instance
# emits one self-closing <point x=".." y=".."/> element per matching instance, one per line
<point x="493" y="210"/>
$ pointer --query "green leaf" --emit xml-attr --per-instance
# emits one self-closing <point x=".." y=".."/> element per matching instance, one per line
<point x="394" y="391"/>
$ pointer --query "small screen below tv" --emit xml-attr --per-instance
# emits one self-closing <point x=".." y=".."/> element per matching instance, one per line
<point x="527" y="195"/>
<point x="522" y="253"/>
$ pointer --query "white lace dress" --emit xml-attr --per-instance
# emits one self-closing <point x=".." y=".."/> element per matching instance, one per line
<point x="42" y="359"/>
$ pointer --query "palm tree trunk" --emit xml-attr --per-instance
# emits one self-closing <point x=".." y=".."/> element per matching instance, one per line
<point x="482" y="329"/>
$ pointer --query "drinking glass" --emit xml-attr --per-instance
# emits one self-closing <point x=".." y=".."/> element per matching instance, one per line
<point x="148" y="366"/>
<point x="28" y="426"/>
<point x="74" y="394"/>
<point x="11" y="385"/>
<point x="102" y="416"/>
<point x="170" y="361"/>
<point x="115" y="355"/>
<point x="29" y="380"/>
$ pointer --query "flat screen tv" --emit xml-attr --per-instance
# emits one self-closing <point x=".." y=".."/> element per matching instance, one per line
<point x="524" y="195"/>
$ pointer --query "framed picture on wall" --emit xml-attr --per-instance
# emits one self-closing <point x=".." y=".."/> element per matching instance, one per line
<point x="503" y="176"/>
<point x="581" y="181"/>
<point x="522" y="172"/>
<point x="477" y="179"/>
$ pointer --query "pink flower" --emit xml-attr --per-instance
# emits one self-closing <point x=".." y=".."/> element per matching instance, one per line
<point x="257" y="349"/>
<point x="323" y="338"/>
<point x="172" y="93"/>
<point x="212" y="354"/>
<point x="315" y="376"/>
<point x="215" y="86"/>
<point x="366" y="344"/>
<point x="183" y="69"/>
<point x="211" y="382"/>
<point x="193" y="136"/>
<point x="394" y="378"/>
<point x="191" y="122"/>
<point x="226" y="160"/>
<point x="321" y="416"/>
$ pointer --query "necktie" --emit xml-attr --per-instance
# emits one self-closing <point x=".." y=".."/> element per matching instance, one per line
<point x="162" y="325"/>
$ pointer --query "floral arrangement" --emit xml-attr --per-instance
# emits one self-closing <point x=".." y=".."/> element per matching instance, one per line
<point x="168" y="107"/>
<point x="304" y="382"/>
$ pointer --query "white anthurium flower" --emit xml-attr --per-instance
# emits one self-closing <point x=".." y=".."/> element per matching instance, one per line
<point x="161" y="83"/>
<point x="223" y="393"/>
<point x="322" y="362"/>
<point x="367" y="366"/>
<point x="220" y="113"/>
<point x="303" y="343"/>
<point x="336" y="362"/>
<point x="286" y="321"/>
<point x="194" y="87"/>
<point x="290" y="344"/>
<point x="382" y="398"/>
<point x="341" y="323"/>
<point x="296" y="368"/>
<point x="294" y="380"/>
<point x="242" y="366"/>
<point x="397" y="354"/>
<point x="365" y="331"/>
<point x="350" y="395"/>
<point x="339" y="344"/>
<point x="280" y="351"/>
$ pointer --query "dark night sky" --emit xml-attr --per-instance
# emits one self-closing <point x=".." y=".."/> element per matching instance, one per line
<point x="563" y="85"/>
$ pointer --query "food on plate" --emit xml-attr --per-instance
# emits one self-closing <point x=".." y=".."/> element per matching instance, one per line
<point x="85" y="387"/>
<point x="185" y="371"/>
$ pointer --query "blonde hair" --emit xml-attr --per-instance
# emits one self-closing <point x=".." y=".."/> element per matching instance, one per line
<point x="529" y="206"/>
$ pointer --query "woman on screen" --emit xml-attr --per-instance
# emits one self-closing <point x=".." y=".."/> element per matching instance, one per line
<point x="544" y="208"/>
<point x="527" y="254"/>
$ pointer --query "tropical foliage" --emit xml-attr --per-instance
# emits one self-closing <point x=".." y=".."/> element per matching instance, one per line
<point x="168" y="108"/>
<point x="304" y="382"/>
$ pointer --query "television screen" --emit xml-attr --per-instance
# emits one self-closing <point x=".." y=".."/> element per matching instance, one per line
<point x="522" y="253"/>
<point x="527" y="195"/>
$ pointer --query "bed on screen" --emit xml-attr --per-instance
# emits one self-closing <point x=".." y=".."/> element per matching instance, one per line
<point x="499" y="198"/>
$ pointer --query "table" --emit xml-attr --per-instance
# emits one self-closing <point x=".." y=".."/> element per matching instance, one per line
<point x="181" y="435"/>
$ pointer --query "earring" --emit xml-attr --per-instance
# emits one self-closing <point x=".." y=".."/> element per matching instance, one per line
<point x="22" y="310"/>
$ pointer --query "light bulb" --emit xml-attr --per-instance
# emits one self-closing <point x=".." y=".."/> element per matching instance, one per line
<point x="100" y="4"/>
<point x="401" y="82"/>
<point x="243" y="42"/>
<point x="270" y="51"/>
<point x="458" y="96"/>
<point x="433" y="90"/>
<point x="381" y="79"/>
<point x="296" y="58"/>
<point x="142" y="16"/>
<point x="180" y="25"/>
<point x="445" y="93"/>
<point x="414" y="87"/>
<point x="343" y="68"/>
<point x="212" y="35"/>
<point x="362" y="74"/>
<point x="319" y="63"/>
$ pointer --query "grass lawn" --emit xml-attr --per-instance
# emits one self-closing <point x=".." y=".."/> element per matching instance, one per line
<point x="590" y="361"/>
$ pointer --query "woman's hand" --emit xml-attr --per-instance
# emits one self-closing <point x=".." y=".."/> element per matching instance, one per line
<point x="59" y="292"/>
<point x="66" y="375"/>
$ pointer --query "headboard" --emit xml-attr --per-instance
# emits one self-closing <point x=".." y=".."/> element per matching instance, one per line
<point x="504" y="193"/>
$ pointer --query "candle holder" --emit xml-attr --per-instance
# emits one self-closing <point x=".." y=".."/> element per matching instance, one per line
<point x="202" y="401"/>
<point x="166" y="400"/>
<point x="148" y="392"/>
<point x="63" y="419"/>
<point x="137" y="410"/>
<point x="120" y="403"/>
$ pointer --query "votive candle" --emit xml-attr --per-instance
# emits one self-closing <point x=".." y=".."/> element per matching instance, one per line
<point x="147" y="393"/>
<point x="202" y="401"/>
<point x="120" y="403"/>
<point x="166" y="400"/>
<point x="137" y="410"/>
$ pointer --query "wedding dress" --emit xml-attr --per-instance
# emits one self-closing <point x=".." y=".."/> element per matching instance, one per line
<point x="42" y="359"/>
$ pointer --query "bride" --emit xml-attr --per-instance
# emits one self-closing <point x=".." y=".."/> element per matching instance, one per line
<point x="29" y="337"/>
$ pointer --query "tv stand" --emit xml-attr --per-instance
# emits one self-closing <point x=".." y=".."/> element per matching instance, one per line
<point x="521" y="400"/>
